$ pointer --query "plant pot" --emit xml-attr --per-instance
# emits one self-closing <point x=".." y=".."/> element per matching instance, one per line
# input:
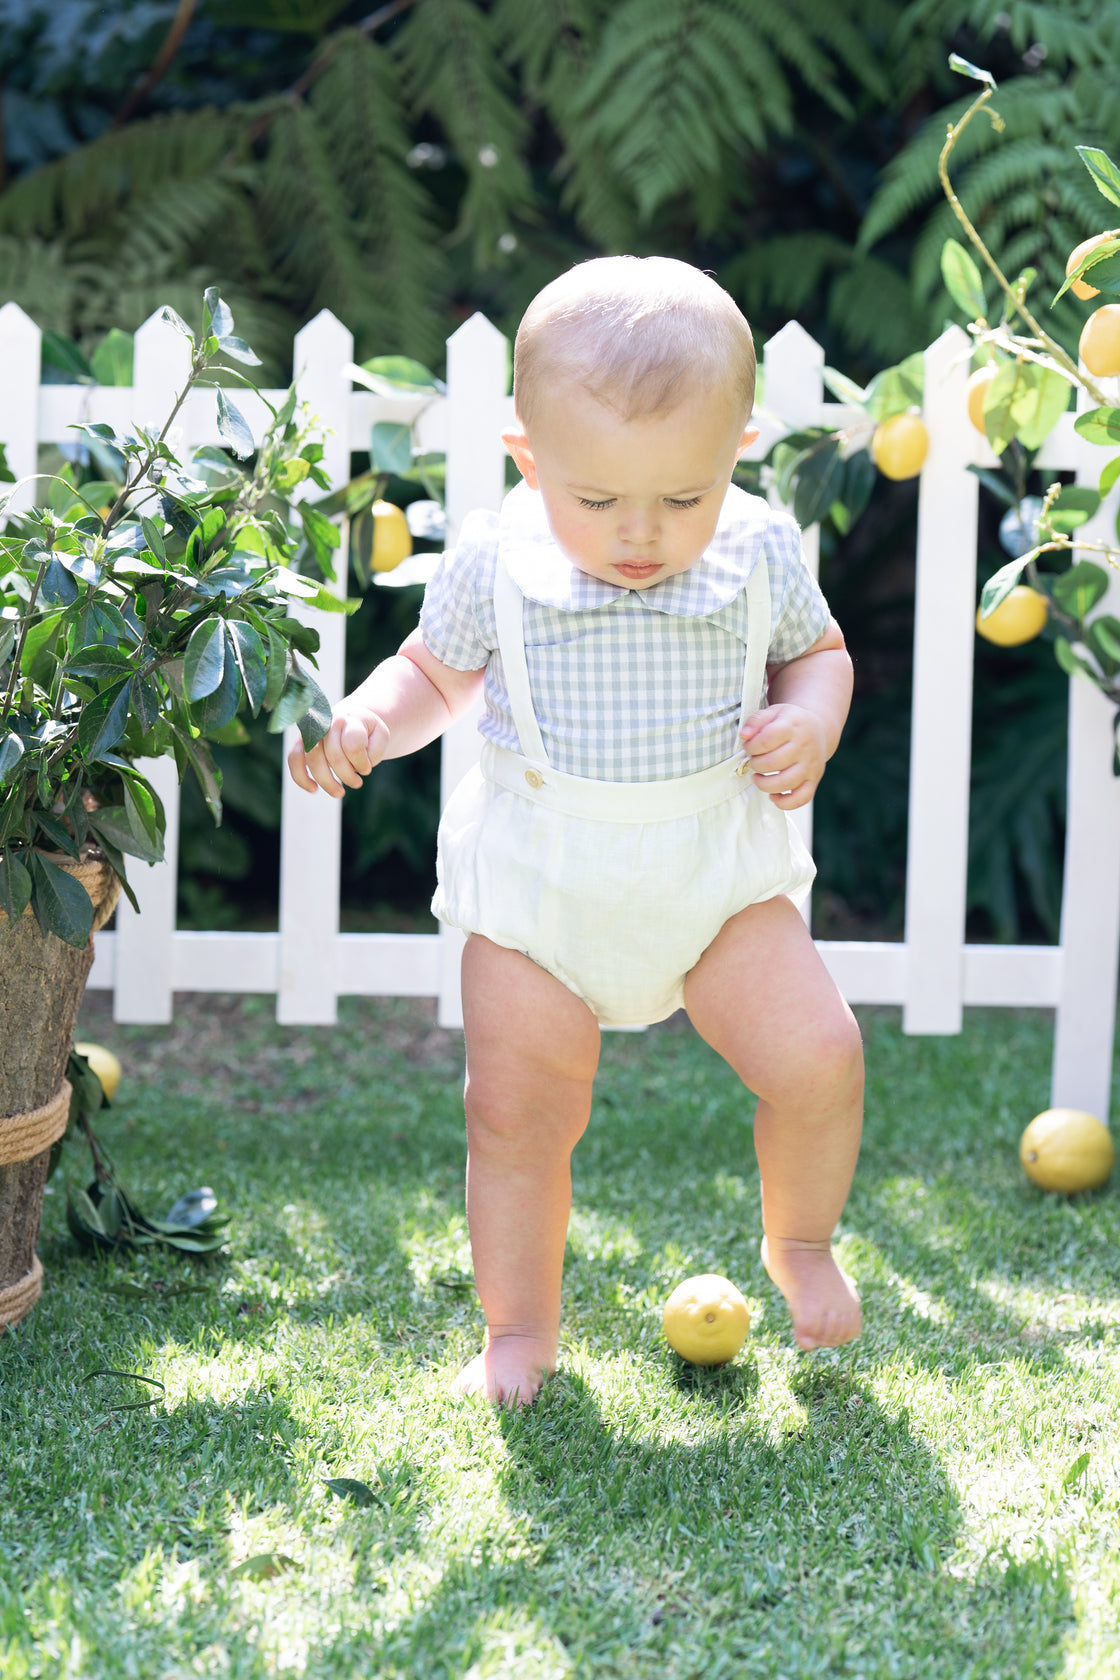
<point x="41" y="985"/>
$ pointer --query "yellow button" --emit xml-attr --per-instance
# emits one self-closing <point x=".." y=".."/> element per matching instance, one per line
<point x="534" y="778"/>
<point x="743" y="769"/>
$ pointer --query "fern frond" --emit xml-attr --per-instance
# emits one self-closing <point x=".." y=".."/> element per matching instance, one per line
<point x="86" y="186"/>
<point x="305" y="217"/>
<point x="870" y="307"/>
<point x="357" y="103"/>
<point x="786" y="272"/>
<point x="452" y="73"/>
<point x="550" y="42"/>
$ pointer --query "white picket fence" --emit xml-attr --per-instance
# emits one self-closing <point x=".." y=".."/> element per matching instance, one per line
<point x="932" y="973"/>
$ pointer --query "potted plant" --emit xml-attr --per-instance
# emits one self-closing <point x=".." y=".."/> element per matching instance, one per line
<point x="141" y="609"/>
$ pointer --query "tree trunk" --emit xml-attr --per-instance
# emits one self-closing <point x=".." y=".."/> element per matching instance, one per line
<point x="41" y="984"/>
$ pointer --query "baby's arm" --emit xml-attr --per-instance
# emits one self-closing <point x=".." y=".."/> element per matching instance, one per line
<point x="791" y="739"/>
<point x="403" y="704"/>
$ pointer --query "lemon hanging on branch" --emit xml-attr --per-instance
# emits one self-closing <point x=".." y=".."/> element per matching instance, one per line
<point x="392" y="539"/>
<point x="900" y="445"/>
<point x="977" y="392"/>
<point x="1081" y="288"/>
<point x="1099" y="345"/>
<point x="104" y="1064"/>
<point x="1020" y="617"/>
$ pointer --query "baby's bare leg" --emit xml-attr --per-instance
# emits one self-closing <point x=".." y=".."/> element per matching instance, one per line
<point x="763" y="998"/>
<point x="532" y="1051"/>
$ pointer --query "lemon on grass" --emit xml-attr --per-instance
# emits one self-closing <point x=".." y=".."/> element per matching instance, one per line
<point x="104" y="1064"/>
<point x="1020" y="617"/>
<point x="977" y="390"/>
<point x="392" y="539"/>
<point x="1068" y="1150"/>
<point x="1082" y="288"/>
<point x="900" y="445"/>
<point x="706" y="1319"/>
<point x="1099" y="345"/>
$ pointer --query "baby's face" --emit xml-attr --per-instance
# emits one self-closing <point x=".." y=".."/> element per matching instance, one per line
<point x="631" y="502"/>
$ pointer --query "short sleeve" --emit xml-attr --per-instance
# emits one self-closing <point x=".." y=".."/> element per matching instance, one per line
<point x="799" y="612"/>
<point x="449" y="617"/>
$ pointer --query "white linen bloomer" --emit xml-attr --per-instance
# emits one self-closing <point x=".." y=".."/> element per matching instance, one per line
<point x="629" y="685"/>
<point x="616" y="886"/>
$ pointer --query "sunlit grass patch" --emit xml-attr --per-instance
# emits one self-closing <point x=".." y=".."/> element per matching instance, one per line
<point x="940" y="1500"/>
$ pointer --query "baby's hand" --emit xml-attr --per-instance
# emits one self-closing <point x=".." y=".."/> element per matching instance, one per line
<point x="356" y="740"/>
<point x="787" y="749"/>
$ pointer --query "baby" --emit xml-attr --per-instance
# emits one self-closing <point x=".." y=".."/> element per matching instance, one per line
<point x="663" y="683"/>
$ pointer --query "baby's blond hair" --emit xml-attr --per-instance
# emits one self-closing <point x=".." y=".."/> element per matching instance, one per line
<point x="641" y="334"/>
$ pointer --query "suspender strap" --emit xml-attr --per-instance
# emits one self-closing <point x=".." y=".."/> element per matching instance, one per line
<point x="758" y="638"/>
<point x="509" y="606"/>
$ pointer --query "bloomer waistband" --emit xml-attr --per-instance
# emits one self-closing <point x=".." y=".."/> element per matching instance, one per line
<point x="639" y="802"/>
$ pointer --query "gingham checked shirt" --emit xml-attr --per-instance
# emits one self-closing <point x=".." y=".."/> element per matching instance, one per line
<point x="629" y="685"/>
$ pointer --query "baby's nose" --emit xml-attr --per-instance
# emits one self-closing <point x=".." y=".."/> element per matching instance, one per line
<point x="640" y="525"/>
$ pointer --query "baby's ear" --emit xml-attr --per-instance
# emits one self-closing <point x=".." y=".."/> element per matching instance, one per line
<point x="750" y="436"/>
<point x="518" y="445"/>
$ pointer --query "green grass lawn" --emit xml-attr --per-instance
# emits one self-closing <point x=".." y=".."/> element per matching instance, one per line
<point x="938" y="1501"/>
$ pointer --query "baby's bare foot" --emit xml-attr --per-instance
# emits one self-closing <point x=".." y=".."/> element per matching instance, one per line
<point x="510" y="1370"/>
<point x="822" y="1299"/>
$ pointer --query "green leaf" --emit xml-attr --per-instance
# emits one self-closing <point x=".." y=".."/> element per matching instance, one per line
<point x="819" y="477"/>
<point x="233" y="428"/>
<point x="964" y="68"/>
<point x="896" y="389"/>
<point x="153" y="536"/>
<point x="293" y="702"/>
<point x="219" y="317"/>
<point x="61" y="904"/>
<point x="101" y="662"/>
<point x="1099" y="425"/>
<point x="1103" y="636"/>
<point x="1106" y="176"/>
<point x="111" y="361"/>
<point x="358" y="1493"/>
<point x="209" y="777"/>
<point x="390" y="447"/>
<point x="249" y="652"/>
<point x="236" y="348"/>
<point x="1072" y="507"/>
<point x="1072" y="663"/>
<point x="204" y="662"/>
<point x="104" y="720"/>
<point x="11" y="751"/>
<point x="1001" y="583"/>
<point x="56" y="832"/>
<point x="1078" y="590"/>
<point x="220" y="706"/>
<point x="316" y="720"/>
<point x="1024" y="401"/>
<point x="15" y="885"/>
<point x="117" y="825"/>
<point x="1109" y="475"/>
<point x="263" y="1566"/>
<point x="61" y="352"/>
<point x="277" y="668"/>
<point x="399" y="373"/>
<point x="845" y="390"/>
<point x="962" y="280"/>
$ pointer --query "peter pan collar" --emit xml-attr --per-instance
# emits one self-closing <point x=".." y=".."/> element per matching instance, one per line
<point x="543" y="573"/>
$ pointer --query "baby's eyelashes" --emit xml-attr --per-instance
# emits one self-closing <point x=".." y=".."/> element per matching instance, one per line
<point x="670" y="501"/>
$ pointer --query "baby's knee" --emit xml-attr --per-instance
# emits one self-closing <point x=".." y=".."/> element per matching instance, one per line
<point x="511" y="1122"/>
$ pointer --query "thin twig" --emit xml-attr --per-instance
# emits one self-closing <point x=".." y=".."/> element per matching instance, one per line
<point x="1012" y="293"/>
<point x="173" y="40"/>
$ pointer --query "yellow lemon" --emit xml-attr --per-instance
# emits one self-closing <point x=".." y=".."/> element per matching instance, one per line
<point x="392" y="539"/>
<point x="977" y="390"/>
<point x="1066" y="1149"/>
<point x="1020" y="617"/>
<point x="104" y="1064"/>
<point x="900" y="445"/>
<point x="706" y="1319"/>
<point x="1082" y="288"/>
<point x="1099" y="345"/>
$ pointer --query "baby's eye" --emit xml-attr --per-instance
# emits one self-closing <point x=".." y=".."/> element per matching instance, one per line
<point x="678" y="502"/>
<point x="583" y="502"/>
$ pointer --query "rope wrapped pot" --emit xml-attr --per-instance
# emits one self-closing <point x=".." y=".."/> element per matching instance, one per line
<point x="41" y="985"/>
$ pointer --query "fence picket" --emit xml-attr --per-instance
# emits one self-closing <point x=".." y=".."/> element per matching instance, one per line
<point x="477" y="411"/>
<point x="311" y="827"/>
<point x="941" y="730"/>
<point x="20" y="363"/>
